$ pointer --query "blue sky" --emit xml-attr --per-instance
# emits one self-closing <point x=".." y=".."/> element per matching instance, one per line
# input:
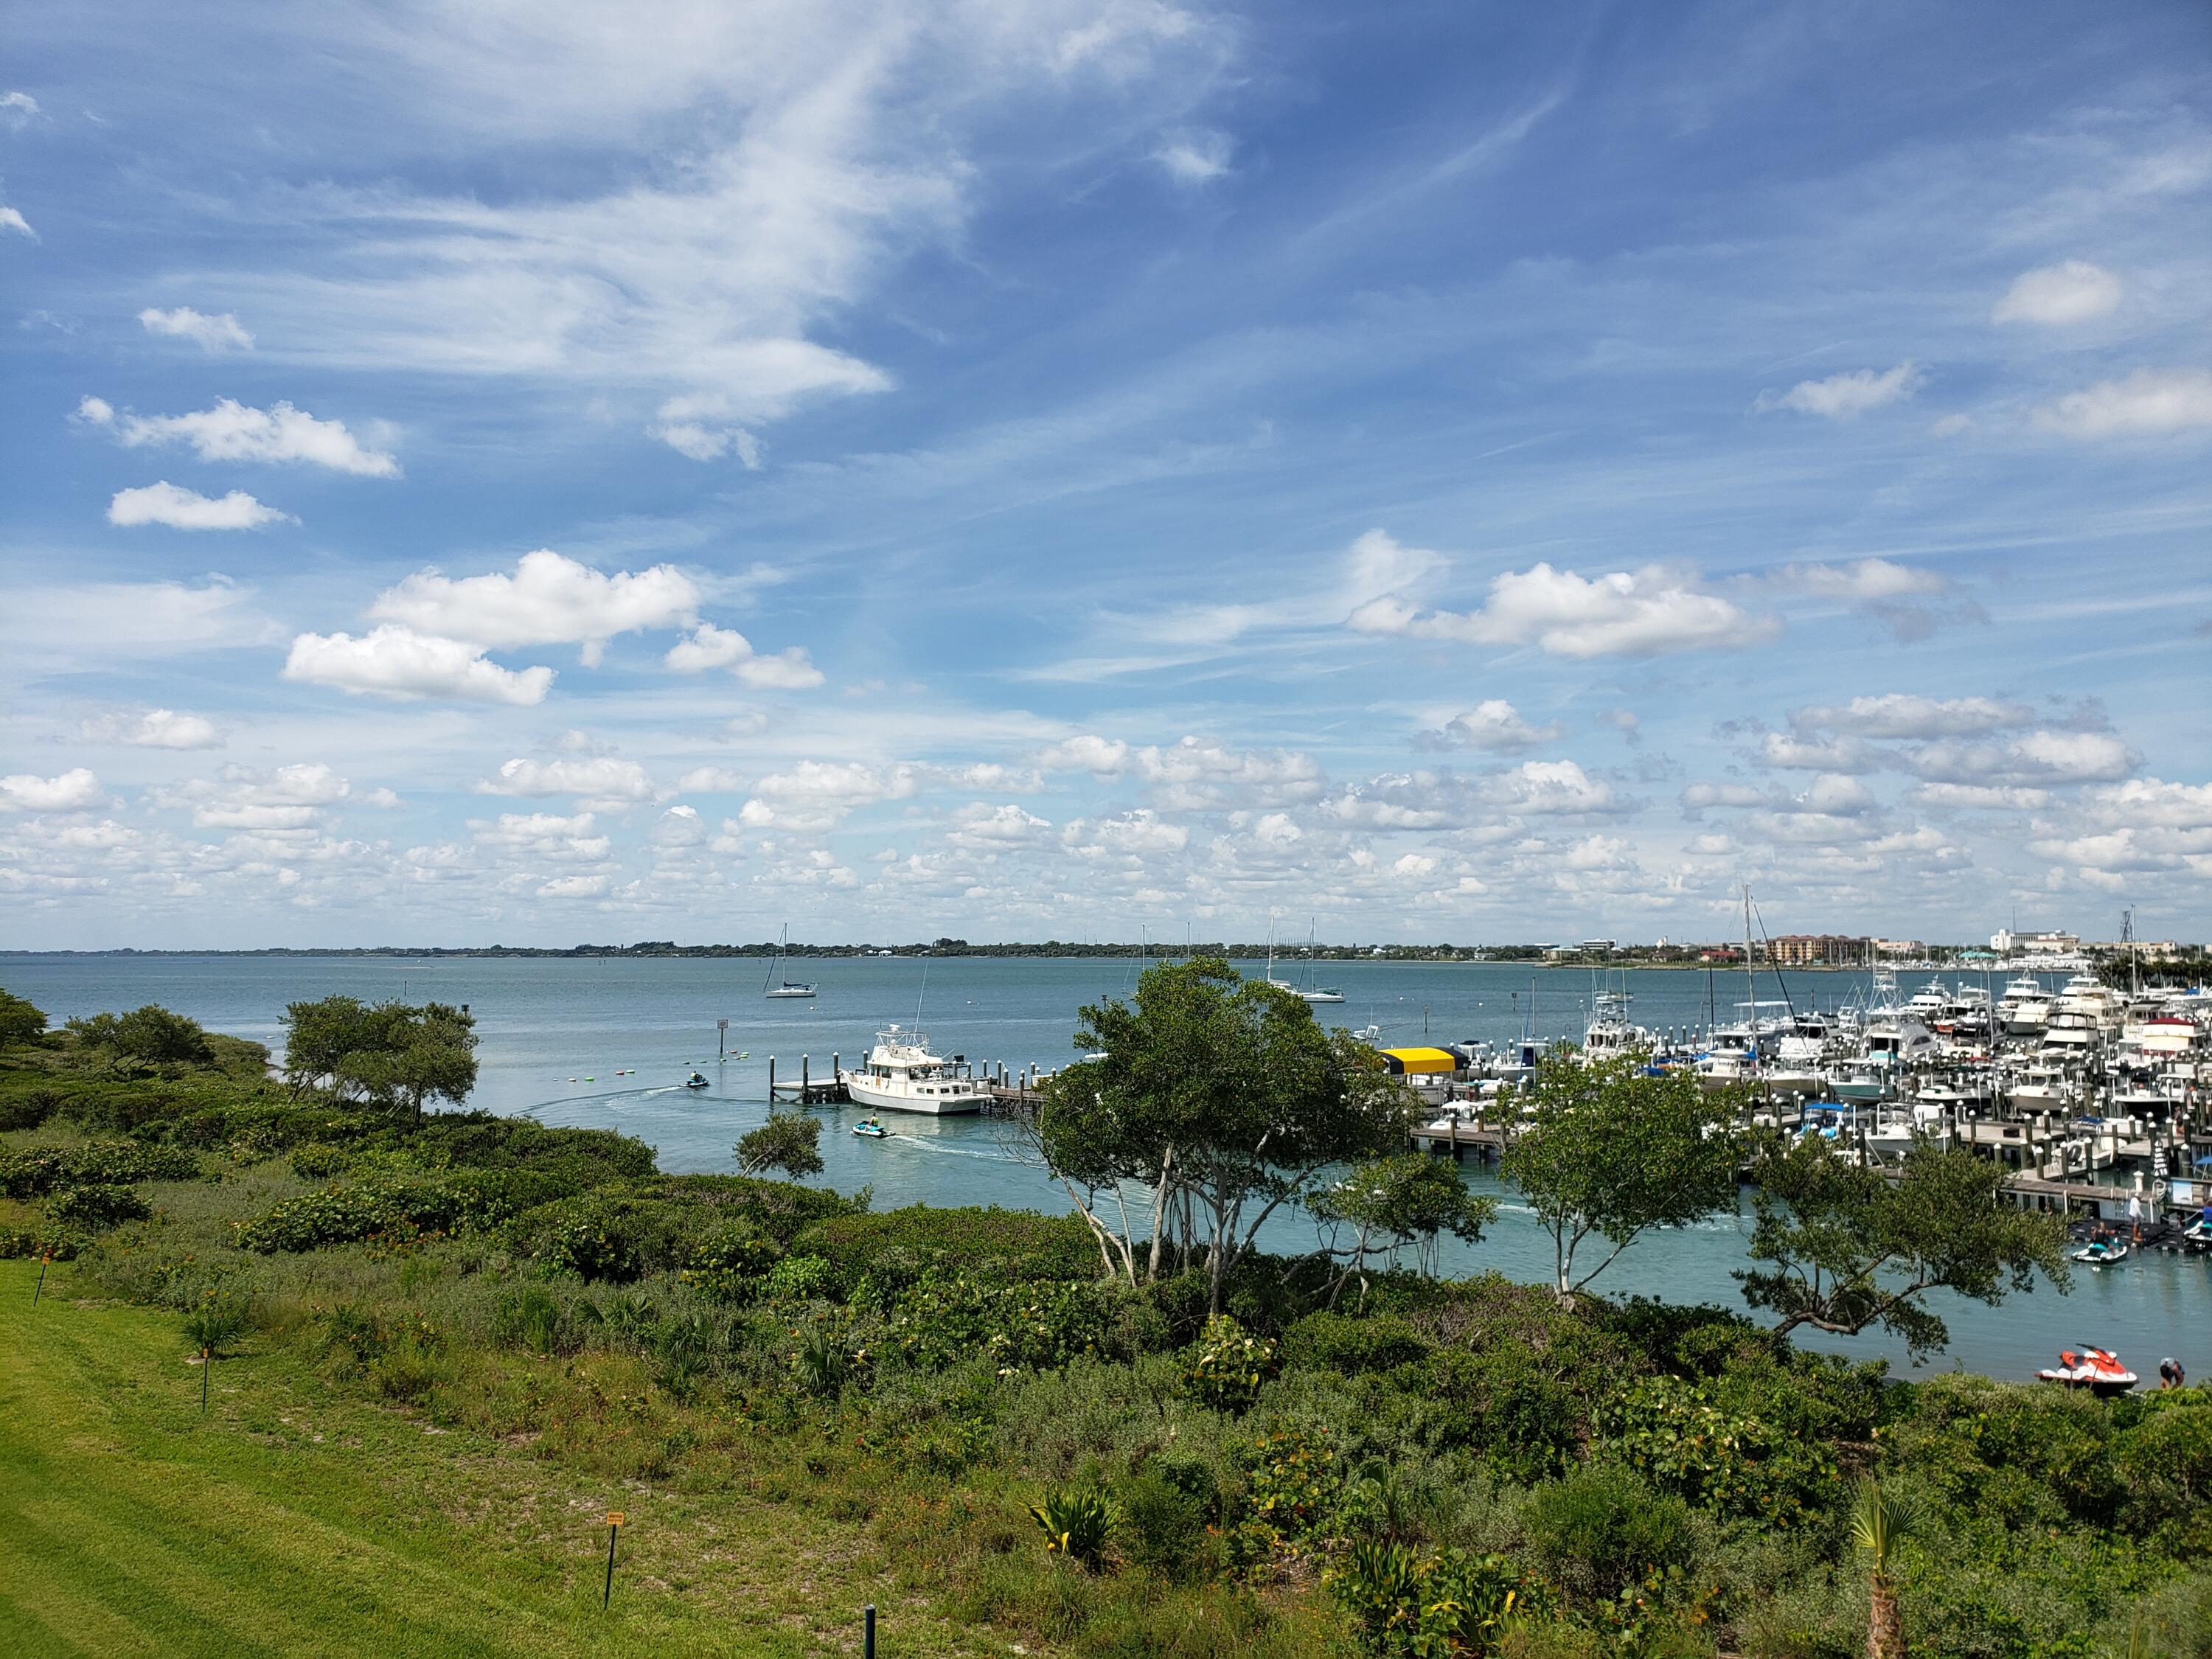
<point x="547" y="473"/>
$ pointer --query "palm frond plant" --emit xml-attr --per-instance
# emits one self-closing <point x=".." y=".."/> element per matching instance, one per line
<point x="1077" y="1522"/>
<point x="1880" y="1522"/>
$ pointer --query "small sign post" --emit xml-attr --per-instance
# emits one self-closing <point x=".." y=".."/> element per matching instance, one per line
<point x="721" y="1039"/>
<point x="868" y="1630"/>
<point x="614" y="1526"/>
<point x="206" y="1364"/>
<point x="41" y="1289"/>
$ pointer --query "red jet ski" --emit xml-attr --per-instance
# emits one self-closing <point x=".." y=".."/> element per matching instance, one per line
<point x="2098" y="1370"/>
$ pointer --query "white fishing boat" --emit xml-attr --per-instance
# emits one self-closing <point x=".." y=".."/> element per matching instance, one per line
<point x="903" y="1075"/>
<point x="776" y="985"/>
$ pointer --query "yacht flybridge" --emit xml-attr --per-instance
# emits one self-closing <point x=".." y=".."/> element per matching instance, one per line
<point x="902" y="1075"/>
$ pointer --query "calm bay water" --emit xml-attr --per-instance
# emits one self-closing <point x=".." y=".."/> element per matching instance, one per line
<point x="606" y="1043"/>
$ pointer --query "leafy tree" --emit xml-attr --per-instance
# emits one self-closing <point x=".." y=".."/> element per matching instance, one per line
<point x="1388" y="1204"/>
<point x="151" y="1036"/>
<point x="787" y="1142"/>
<point x="20" y="1021"/>
<point x="1852" y="1247"/>
<point x="389" y="1055"/>
<point x="1223" y="1098"/>
<point x="1612" y="1151"/>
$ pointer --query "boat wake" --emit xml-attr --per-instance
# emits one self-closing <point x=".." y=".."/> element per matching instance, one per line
<point x="925" y="1144"/>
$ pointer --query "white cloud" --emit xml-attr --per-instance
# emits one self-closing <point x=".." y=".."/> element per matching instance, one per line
<point x="600" y="777"/>
<point x="1848" y="396"/>
<point x="1979" y="797"/>
<point x="709" y="647"/>
<point x="1130" y="835"/>
<point x="980" y="824"/>
<point x="1819" y="755"/>
<point x="2149" y="401"/>
<point x="1899" y="714"/>
<point x="1196" y="157"/>
<point x="156" y="728"/>
<point x="1105" y="757"/>
<point x="285" y="798"/>
<point x="211" y="334"/>
<point x="1856" y="582"/>
<point x="2036" y="759"/>
<point x="1495" y="726"/>
<point x="550" y="836"/>
<point x="710" y="780"/>
<point x="72" y="791"/>
<point x="398" y="662"/>
<point x="12" y="219"/>
<point x="1658" y="610"/>
<point x="2074" y="291"/>
<point x="574" y="887"/>
<point x="814" y="795"/>
<point x="17" y="110"/>
<point x="684" y="427"/>
<point x="1549" y="787"/>
<point x="187" y="509"/>
<point x="232" y="431"/>
<point x="550" y="599"/>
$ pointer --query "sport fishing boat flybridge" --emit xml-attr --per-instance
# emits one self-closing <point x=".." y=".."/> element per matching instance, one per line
<point x="902" y="1075"/>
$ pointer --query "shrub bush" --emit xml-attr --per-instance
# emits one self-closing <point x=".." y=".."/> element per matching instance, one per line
<point x="730" y="1263"/>
<point x="1014" y="1246"/>
<point x="1602" y="1530"/>
<point x="97" y="1205"/>
<point x="1670" y="1432"/>
<point x="1353" y="1344"/>
<point x="467" y="1200"/>
<point x="106" y="1163"/>
<point x="1077" y="1521"/>
<point x="1225" y="1368"/>
<point x="943" y="1320"/>
<point x="1162" y="1526"/>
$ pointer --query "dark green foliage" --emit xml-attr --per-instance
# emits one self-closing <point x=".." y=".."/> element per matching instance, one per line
<point x="1610" y="1151"/>
<point x="530" y="1319"/>
<point x="97" y="1205"/>
<point x="788" y="1141"/>
<point x="1015" y="1245"/>
<point x="943" y="1320"/>
<point x="1337" y="1342"/>
<point x="391" y="1057"/>
<point x="1077" y="1522"/>
<point x="1388" y="1204"/>
<point x="1674" y="1435"/>
<point x="1162" y="1526"/>
<point x="609" y="1235"/>
<point x="1601" y="1530"/>
<point x="1225" y="1368"/>
<point x="730" y="1263"/>
<point x="1852" y="1247"/>
<point x="1404" y="1605"/>
<point x="467" y="1200"/>
<point x="20" y="1022"/>
<point x="27" y="1108"/>
<point x="151" y="1036"/>
<point x="31" y="1175"/>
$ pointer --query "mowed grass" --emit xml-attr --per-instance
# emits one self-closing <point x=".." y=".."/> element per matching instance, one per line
<point x="292" y="1520"/>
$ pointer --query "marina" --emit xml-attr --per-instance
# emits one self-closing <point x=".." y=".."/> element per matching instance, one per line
<point x="642" y="1027"/>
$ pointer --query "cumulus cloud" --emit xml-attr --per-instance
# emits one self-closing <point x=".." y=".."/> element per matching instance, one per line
<point x="1979" y="797"/>
<point x="1653" y="611"/>
<point x="1856" y="582"/>
<point x="550" y="837"/>
<point x="710" y="780"/>
<point x="2039" y="759"/>
<point x="1102" y="757"/>
<point x="1848" y="396"/>
<point x="156" y="728"/>
<point x="2074" y="291"/>
<point x="11" y="219"/>
<point x="710" y="648"/>
<point x="550" y="600"/>
<point x="181" y="508"/>
<point x="1197" y="157"/>
<point x="73" y="791"/>
<point x="284" y="799"/>
<point x="980" y="824"/>
<point x="2146" y="403"/>
<point x="815" y="795"/>
<point x="1130" y="835"/>
<point x="398" y="662"/>
<point x="232" y="431"/>
<point x="1494" y="725"/>
<point x="599" y="777"/>
<point x="211" y="334"/>
<point x="1902" y="715"/>
<point x="574" y="887"/>
<point x="17" y="110"/>
<point x="1798" y="753"/>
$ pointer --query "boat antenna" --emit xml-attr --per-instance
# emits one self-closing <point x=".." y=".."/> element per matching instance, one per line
<point x="1774" y="961"/>
<point x="922" y="992"/>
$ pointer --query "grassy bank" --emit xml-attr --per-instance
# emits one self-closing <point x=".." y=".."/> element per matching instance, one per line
<point x="294" y="1518"/>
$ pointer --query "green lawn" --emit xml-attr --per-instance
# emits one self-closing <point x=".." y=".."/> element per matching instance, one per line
<point x="292" y="1520"/>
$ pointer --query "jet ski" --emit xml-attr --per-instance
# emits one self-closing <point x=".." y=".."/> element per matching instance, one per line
<point x="2102" y="1253"/>
<point x="2098" y="1370"/>
<point x="695" y="1081"/>
<point x="868" y="1129"/>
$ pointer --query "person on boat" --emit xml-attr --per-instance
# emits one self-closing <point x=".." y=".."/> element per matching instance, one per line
<point x="2135" y="1216"/>
<point x="2170" y="1374"/>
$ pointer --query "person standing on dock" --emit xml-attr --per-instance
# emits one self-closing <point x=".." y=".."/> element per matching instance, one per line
<point x="2135" y="1217"/>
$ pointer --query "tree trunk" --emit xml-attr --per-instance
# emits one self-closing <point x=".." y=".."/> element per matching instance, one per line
<point x="1885" y="1625"/>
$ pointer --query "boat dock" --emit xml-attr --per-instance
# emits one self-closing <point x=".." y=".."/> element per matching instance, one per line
<point x="1008" y="1086"/>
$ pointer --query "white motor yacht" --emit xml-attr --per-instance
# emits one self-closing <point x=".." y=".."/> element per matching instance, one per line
<point x="902" y="1075"/>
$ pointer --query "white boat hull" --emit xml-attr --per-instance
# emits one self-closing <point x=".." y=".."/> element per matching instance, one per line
<point x="864" y="1091"/>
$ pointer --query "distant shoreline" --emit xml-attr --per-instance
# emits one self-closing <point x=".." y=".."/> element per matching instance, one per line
<point x="1340" y="956"/>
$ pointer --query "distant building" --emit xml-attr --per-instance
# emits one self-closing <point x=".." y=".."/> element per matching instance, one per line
<point x="1898" y="947"/>
<point x="1821" y="949"/>
<point x="1596" y="946"/>
<point x="2007" y="943"/>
